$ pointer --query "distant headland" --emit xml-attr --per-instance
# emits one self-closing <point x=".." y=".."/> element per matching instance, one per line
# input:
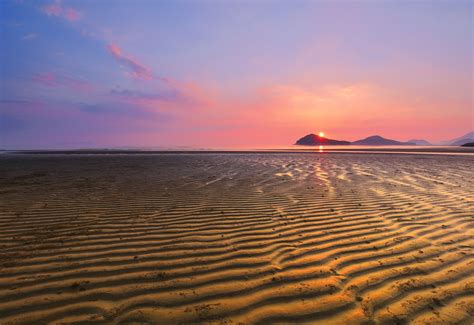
<point x="317" y="140"/>
<point x="377" y="140"/>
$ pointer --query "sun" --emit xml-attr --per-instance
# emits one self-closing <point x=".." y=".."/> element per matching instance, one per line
<point x="321" y="134"/>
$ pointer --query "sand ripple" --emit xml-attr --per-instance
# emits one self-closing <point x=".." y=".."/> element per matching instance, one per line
<point x="237" y="238"/>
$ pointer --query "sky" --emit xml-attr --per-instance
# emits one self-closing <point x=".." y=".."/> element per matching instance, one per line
<point x="218" y="74"/>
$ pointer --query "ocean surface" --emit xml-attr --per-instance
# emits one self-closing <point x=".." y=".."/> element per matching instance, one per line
<point x="449" y="150"/>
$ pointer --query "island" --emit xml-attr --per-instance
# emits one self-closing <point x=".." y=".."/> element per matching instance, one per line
<point x="377" y="140"/>
<point x="316" y="140"/>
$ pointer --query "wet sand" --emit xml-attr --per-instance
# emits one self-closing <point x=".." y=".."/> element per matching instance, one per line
<point x="236" y="238"/>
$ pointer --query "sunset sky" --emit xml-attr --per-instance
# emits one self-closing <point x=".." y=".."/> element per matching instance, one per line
<point x="82" y="74"/>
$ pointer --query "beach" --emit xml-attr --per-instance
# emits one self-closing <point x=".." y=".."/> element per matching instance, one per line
<point x="236" y="238"/>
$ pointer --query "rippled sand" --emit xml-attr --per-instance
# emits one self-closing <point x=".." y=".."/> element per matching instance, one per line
<point x="237" y="239"/>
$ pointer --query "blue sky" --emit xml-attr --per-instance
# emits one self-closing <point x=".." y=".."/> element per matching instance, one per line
<point x="232" y="73"/>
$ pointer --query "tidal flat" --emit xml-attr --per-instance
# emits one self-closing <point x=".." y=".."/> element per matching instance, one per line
<point x="236" y="238"/>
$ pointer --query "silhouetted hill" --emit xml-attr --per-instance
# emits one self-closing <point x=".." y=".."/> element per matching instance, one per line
<point x="377" y="140"/>
<point x="316" y="140"/>
<point x="420" y="142"/>
<point x="469" y="144"/>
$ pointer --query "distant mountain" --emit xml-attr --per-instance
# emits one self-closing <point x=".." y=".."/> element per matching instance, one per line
<point x="462" y="142"/>
<point x="469" y="144"/>
<point x="420" y="142"/>
<point x="468" y="137"/>
<point x="377" y="140"/>
<point x="316" y="140"/>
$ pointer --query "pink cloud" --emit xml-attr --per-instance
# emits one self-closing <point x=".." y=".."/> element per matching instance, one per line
<point x="72" y="14"/>
<point x="45" y="79"/>
<point x="49" y="79"/>
<point x="137" y="70"/>
<point x="56" y="9"/>
<point x="52" y="10"/>
<point x="114" y="50"/>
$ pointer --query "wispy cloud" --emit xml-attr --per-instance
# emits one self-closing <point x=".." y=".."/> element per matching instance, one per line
<point x="50" y="79"/>
<point x="45" y="79"/>
<point x="136" y="69"/>
<point x="121" y="109"/>
<point x="57" y="9"/>
<point x="52" y="9"/>
<point x="29" y="36"/>
<point x="23" y="123"/>
<point x="165" y="95"/>
<point x="71" y="14"/>
<point x="15" y="101"/>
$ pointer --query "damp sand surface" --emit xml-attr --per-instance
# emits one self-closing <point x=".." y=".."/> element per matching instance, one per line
<point x="236" y="238"/>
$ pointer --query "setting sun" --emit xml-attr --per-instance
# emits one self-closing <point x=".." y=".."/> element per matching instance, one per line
<point x="321" y="134"/>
